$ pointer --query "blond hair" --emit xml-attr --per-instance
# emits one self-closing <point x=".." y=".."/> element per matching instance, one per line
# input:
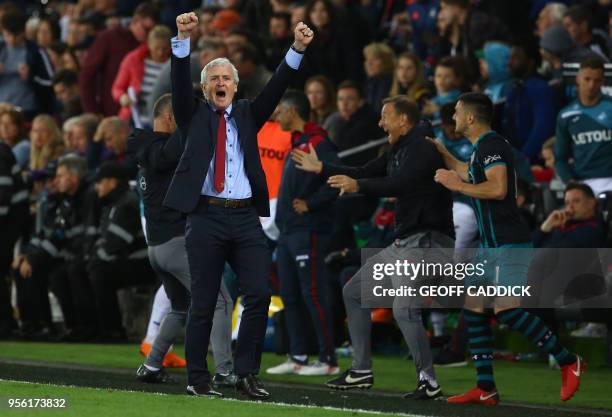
<point x="383" y="52"/>
<point x="40" y="156"/>
<point x="161" y="33"/>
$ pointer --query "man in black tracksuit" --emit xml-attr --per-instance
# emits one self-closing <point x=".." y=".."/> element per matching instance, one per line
<point x="14" y="213"/>
<point x="304" y="218"/>
<point x="424" y="220"/>
<point x="119" y="256"/>
<point x="58" y="247"/>
<point x="38" y="259"/>
<point x="158" y="153"/>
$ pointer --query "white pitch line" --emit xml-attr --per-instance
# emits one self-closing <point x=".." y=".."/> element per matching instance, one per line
<point x="324" y="407"/>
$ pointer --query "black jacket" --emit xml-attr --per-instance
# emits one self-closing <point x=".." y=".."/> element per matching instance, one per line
<point x="406" y="171"/>
<point x="157" y="155"/>
<point x="61" y="226"/>
<point x="361" y="128"/>
<point x="198" y="124"/>
<point x="376" y="89"/>
<point x="41" y="77"/>
<point x="588" y="233"/>
<point x="307" y="186"/>
<point x="14" y="197"/>
<point x="121" y="236"/>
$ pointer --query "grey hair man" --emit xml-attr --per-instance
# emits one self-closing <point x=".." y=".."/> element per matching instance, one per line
<point x="216" y="63"/>
<point x="157" y="153"/>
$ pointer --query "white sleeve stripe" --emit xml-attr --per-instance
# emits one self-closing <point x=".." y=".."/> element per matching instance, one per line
<point x="570" y="113"/>
<point x="50" y="248"/>
<point x="121" y="232"/>
<point x="102" y="254"/>
<point x="19" y="196"/>
<point x="76" y="230"/>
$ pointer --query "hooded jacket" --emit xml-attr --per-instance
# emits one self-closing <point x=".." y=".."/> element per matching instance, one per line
<point x="497" y="56"/>
<point x="307" y="186"/>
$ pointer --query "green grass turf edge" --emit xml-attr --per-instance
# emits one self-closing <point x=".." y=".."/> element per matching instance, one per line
<point x="525" y="382"/>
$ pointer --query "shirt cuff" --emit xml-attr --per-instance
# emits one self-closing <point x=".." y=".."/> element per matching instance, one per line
<point x="293" y="59"/>
<point x="180" y="47"/>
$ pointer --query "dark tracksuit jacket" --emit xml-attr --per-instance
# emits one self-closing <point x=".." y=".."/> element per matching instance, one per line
<point x="14" y="210"/>
<point x="313" y="188"/>
<point x="121" y="236"/>
<point x="406" y="171"/>
<point x="303" y="243"/>
<point x="61" y="230"/>
<point x="157" y="155"/>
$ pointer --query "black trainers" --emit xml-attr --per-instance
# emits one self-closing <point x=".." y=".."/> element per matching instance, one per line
<point x="352" y="380"/>
<point x="224" y="381"/>
<point x="143" y="374"/>
<point x="424" y="391"/>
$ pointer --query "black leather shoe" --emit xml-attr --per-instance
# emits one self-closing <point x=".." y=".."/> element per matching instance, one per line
<point x="224" y="381"/>
<point x="143" y="374"/>
<point x="253" y="387"/>
<point x="204" y="390"/>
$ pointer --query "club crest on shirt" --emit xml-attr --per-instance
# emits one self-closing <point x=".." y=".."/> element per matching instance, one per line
<point x="143" y="183"/>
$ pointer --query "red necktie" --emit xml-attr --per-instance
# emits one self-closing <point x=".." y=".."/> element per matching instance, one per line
<point x="220" y="154"/>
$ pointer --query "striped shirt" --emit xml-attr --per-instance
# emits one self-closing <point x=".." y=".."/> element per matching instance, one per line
<point x="152" y="70"/>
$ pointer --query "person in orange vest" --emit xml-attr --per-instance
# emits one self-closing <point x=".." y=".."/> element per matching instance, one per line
<point x="274" y="146"/>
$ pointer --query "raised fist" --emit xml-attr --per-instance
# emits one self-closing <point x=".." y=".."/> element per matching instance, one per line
<point x="303" y="35"/>
<point x="185" y="23"/>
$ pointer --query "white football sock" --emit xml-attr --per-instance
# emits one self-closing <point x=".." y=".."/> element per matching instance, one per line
<point x="161" y="307"/>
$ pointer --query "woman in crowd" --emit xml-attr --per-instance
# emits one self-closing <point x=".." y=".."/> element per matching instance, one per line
<point x="46" y="141"/>
<point x="322" y="97"/>
<point x="379" y="65"/>
<point x="409" y="79"/>
<point x="48" y="31"/>
<point x="42" y="69"/>
<point x="334" y="51"/>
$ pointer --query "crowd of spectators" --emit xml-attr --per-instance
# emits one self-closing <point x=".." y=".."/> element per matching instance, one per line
<point x="77" y="76"/>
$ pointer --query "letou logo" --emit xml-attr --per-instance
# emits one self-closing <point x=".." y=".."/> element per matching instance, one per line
<point x="491" y="158"/>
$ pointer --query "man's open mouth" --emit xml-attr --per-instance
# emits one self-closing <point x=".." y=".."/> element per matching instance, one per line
<point x="220" y="94"/>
